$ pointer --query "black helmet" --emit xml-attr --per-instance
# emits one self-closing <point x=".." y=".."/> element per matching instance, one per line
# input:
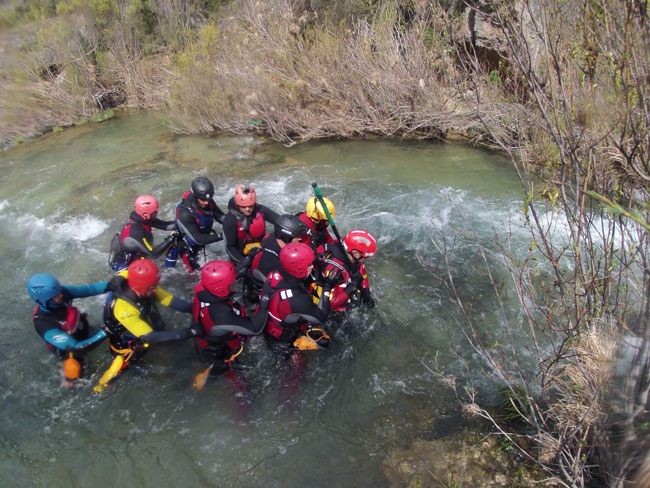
<point x="202" y="188"/>
<point x="288" y="226"/>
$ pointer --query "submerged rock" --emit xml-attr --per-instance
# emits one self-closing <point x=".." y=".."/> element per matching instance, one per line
<point x="462" y="461"/>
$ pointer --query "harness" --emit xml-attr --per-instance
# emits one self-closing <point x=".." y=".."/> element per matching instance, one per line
<point x="313" y="338"/>
<point x="234" y="355"/>
<point x="126" y="354"/>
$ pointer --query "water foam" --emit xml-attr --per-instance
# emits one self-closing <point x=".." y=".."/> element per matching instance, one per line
<point x="35" y="234"/>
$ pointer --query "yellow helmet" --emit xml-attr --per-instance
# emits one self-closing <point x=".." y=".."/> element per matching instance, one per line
<point x="315" y="210"/>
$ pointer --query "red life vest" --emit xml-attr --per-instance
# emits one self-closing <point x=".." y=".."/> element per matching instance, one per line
<point x="69" y="324"/>
<point x="279" y="307"/>
<point x="255" y="233"/>
<point x="201" y="315"/>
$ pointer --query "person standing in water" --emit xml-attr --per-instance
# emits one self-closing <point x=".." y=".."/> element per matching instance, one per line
<point x="222" y="323"/>
<point x="245" y="224"/>
<point x="292" y="312"/>
<point x="62" y="326"/>
<point x="288" y="228"/>
<point x="195" y="216"/>
<point x="132" y="320"/>
<point x="349" y="260"/>
<point x="315" y="218"/>
<point x="135" y="239"/>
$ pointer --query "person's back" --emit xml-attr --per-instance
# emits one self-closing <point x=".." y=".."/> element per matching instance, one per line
<point x="131" y="319"/>
<point x="291" y="308"/>
<point x="222" y="324"/>
<point x="287" y="229"/>
<point x="266" y="260"/>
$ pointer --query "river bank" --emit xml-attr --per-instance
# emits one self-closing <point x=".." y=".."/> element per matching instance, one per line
<point x="278" y="67"/>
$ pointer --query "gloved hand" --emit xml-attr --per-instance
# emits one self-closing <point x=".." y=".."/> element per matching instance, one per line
<point x="355" y="282"/>
<point x="319" y="259"/>
<point x="219" y="236"/>
<point x="243" y="266"/>
<point x="196" y="329"/>
<point x="176" y="235"/>
<point x="366" y="298"/>
<point x="333" y="278"/>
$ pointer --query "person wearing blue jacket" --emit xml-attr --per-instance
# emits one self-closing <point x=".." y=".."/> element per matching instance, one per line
<point x="64" y="329"/>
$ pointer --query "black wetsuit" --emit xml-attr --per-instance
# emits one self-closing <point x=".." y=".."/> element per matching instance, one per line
<point x="266" y="260"/>
<point x="64" y="329"/>
<point x="241" y="231"/>
<point x="223" y="327"/>
<point x="291" y="308"/>
<point x="135" y="241"/>
<point x="195" y="225"/>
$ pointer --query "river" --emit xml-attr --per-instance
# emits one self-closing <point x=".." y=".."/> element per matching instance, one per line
<point x="64" y="195"/>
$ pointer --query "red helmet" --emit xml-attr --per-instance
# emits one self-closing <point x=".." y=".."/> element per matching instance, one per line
<point x="143" y="276"/>
<point x="245" y="196"/>
<point x="295" y="258"/>
<point x="217" y="276"/>
<point x="362" y="241"/>
<point x="145" y="206"/>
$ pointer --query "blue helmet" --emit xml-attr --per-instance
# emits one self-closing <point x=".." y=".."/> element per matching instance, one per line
<point x="42" y="288"/>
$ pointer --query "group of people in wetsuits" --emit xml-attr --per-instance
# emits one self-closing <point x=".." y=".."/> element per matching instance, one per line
<point x="283" y="284"/>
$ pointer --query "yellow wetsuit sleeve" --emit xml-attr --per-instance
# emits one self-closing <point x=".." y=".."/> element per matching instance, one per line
<point x="129" y="317"/>
<point x="163" y="297"/>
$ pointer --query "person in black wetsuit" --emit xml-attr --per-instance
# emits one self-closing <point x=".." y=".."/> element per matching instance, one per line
<point x="195" y="216"/>
<point x="245" y="223"/>
<point x="288" y="228"/>
<point x="132" y="320"/>
<point x="315" y="218"/>
<point x="292" y="311"/>
<point x="135" y="239"/>
<point x="294" y="320"/>
<point x="63" y="328"/>
<point x="222" y="324"/>
<point x="350" y="260"/>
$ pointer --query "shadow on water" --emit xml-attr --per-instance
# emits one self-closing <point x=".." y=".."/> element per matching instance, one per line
<point x="65" y="195"/>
